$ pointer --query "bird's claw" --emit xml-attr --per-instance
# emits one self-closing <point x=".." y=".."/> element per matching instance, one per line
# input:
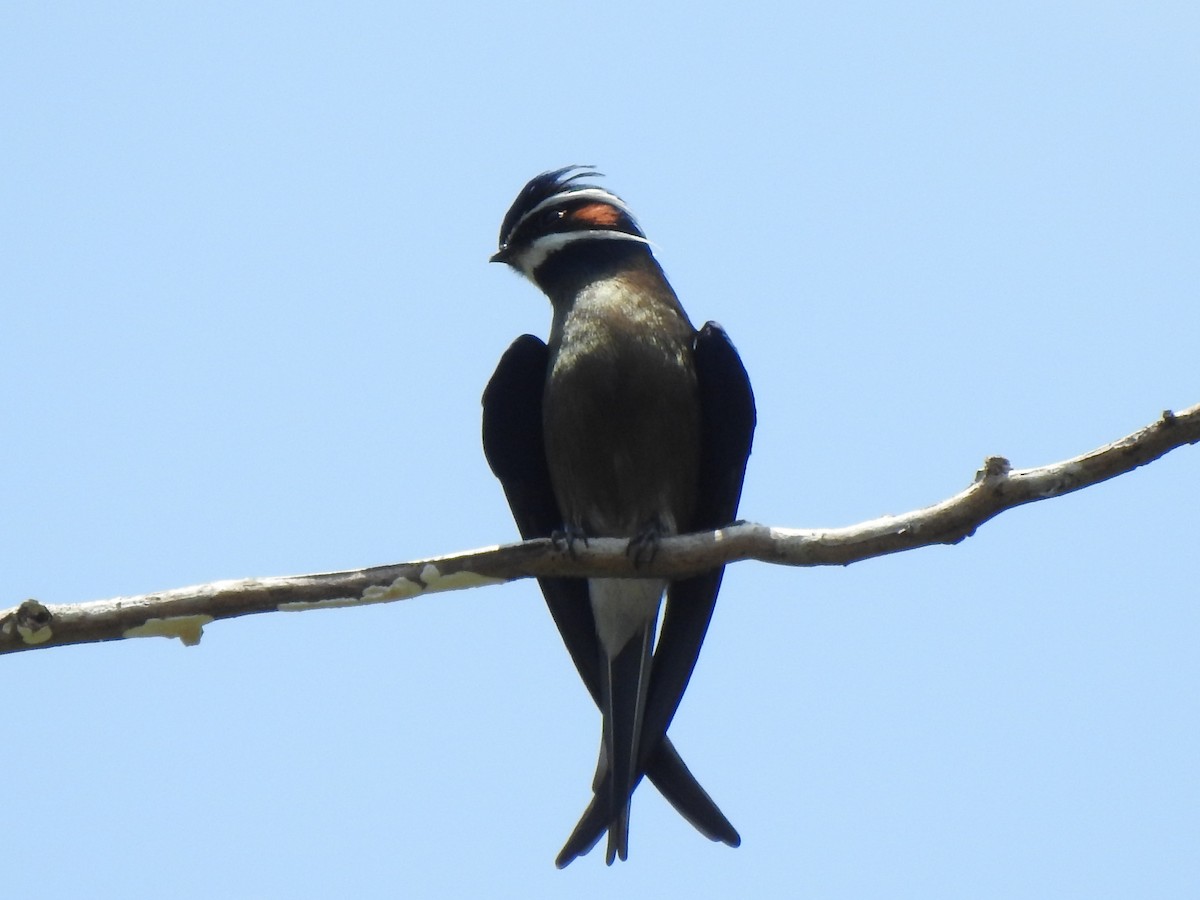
<point x="564" y="539"/>
<point x="643" y="546"/>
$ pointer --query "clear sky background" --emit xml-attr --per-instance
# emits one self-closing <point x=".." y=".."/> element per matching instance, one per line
<point x="246" y="319"/>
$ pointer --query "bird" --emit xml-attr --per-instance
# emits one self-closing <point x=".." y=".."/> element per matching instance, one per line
<point x="630" y="423"/>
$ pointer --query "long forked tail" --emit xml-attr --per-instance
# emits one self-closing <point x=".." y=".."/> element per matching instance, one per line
<point x="626" y="683"/>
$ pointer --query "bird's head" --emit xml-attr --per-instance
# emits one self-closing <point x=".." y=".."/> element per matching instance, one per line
<point x="558" y="214"/>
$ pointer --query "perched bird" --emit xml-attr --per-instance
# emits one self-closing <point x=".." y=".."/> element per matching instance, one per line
<point x="629" y="423"/>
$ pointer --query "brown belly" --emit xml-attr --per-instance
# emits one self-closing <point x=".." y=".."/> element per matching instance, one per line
<point x="622" y="437"/>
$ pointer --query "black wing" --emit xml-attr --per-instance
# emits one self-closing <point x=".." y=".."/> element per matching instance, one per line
<point x="515" y="450"/>
<point x="727" y="420"/>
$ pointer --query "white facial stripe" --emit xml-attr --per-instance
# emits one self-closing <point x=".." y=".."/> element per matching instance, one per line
<point x="547" y="244"/>
<point x="598" y="194"/>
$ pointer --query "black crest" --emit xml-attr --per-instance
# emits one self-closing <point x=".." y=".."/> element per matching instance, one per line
<point x="542" y="187"/>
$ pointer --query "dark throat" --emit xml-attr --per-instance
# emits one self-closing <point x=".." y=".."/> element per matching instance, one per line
<point x="568" y="271"/>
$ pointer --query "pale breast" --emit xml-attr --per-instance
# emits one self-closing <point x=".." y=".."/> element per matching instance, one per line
<point x="621" y="414"/>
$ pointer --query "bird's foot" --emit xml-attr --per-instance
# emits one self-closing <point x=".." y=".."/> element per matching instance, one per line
<point x="644" y="545"/>
<point x="567" y="537"/>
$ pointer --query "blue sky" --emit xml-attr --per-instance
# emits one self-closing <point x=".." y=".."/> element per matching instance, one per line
<point x="246" y="320"/>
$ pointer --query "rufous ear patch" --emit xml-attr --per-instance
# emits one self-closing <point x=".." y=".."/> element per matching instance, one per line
<point x="599" y="215"/>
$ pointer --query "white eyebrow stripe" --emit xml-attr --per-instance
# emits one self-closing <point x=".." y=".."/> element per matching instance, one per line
<point x="593" y="193"/>
<point x="542" y="247"/>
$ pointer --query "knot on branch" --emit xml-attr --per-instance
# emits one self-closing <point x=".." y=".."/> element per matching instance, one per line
<point x="995" y="468"/>
<point x="31" y="621"/>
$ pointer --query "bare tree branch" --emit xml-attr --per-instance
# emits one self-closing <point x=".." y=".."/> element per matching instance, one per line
<point x="183" y="612"/>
